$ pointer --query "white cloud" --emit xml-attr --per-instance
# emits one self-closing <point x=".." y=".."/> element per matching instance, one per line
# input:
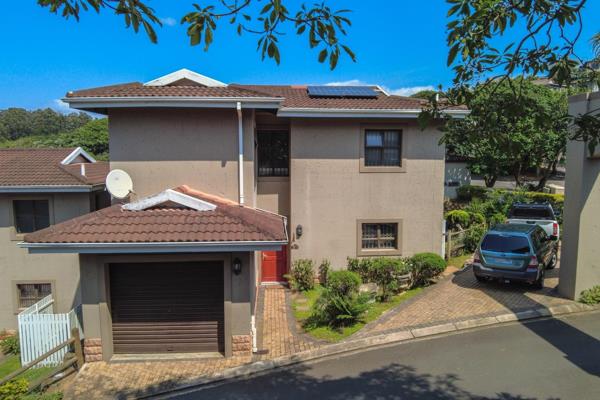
<point x="402" y="91"/>
<point x="168" y="21"/>
<point x="61" y="107"/>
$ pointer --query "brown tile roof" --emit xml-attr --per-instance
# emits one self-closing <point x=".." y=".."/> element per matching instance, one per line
<point x="42" y="167"/>
<point x="168" y="223"/>
<point x="137" y="89"/>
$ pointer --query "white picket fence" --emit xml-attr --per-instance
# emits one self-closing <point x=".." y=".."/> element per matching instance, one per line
<point x="40" y="330"/>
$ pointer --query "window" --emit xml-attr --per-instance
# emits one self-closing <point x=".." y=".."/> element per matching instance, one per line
<point x="30" y="293"/>
<point x="379" y="237"/>
<point x="273" y="153"/>
<point x="31" y="215"/>
<point x="383" y="148"/>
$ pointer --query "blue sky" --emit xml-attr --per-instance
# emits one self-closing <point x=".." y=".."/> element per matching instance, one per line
<point x="399" y="44"/>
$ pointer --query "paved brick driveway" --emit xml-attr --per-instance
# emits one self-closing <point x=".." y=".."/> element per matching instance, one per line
<point x="461" y="297"/>
<point x="123" y="380"/>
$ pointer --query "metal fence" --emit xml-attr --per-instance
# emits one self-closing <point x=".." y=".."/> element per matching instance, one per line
<point x="40" y="330"/>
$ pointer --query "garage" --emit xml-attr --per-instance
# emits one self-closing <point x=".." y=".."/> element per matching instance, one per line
<point x="167" y="307"/>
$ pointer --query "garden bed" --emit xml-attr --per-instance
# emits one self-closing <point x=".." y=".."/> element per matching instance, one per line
<point x="302" y="303"/>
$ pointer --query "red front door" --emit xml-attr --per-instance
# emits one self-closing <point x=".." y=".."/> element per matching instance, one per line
<point x="274" y="265"/>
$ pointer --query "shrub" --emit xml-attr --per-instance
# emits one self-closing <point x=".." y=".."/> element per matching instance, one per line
<point x="590" y="296"/>
<point x="385" y="272"/>
<point x="324" y="268"/>
<point x="458" y="219"/>
<point x="497" y="218"/>
<point x="361" y="266"/>
<point x="473" y="237"/>
<point x="477" y="219"/>
<point x="336" y="310"/>
<point x="343" y="283"/>
<point x="469" y="192"/>
<point x="14" y="390"/>
<point x="302" y="276"/>
<point x="426" y="266"/>
<point x="10" y="345"/>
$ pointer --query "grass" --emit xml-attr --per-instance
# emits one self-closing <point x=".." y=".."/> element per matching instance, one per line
<point x="459" y="261"/>
<point x="12" y="363"/>
<point x="335" y="335"/>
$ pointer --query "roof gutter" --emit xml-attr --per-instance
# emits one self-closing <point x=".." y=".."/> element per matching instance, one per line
<point x="360" y="113"/>
<point x="49" y="188"/>
<point x="172" y="101"/>
<point x="152" y="247"/>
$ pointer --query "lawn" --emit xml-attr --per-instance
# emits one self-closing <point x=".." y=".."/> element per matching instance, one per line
<point x="12" y="363"/>
<point x="459" y="261"/>
<point x="302" y="312"/>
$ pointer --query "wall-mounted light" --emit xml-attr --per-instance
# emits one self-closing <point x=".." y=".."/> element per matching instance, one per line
<point x="237" y="266"/>
<point x="299" y="231"/>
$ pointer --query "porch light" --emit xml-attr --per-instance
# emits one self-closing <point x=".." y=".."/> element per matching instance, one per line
<point x="299" y="231"/>
<point x="237" y="266"/>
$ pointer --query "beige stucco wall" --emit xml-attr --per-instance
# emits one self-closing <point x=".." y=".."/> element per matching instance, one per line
<point x="97" y="324"/>
<point x="164" y="148"/>
<point x="273" y="194"/>
<point x="580" y="260"/>
<point x="329" y="193"/>
<point x="17" y="265"/>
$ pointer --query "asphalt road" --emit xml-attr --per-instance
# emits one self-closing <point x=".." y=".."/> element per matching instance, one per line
<point x="544" y="359"/>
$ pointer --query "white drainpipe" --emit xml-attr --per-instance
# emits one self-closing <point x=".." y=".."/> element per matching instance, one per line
<point x="240" y="152"/>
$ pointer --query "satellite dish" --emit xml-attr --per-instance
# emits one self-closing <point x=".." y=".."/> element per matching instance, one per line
<point x="119" y="183"/>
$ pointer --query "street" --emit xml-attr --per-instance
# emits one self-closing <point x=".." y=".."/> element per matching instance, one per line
<point x="544" y="359"/>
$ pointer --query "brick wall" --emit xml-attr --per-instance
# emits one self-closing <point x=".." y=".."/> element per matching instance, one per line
<point x="92" y="349"/>
<point x="241" y="345"/>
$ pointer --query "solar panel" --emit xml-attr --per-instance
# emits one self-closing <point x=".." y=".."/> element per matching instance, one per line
<point x="342" y="91"/>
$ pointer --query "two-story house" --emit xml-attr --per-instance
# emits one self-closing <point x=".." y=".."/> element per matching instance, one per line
<point x="231" y="184"/>
<point x="40" y="187"/>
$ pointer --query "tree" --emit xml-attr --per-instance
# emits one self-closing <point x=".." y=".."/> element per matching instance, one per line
<point x="268" y="20"/>
<point x="481" y="55"/>
<point x="508" y="132"/>
<point x="18" y="122"/>
<point x="424" y="94"/>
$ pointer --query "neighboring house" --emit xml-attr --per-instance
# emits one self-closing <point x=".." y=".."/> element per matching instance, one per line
<point x="341" y="172"/>
<point x="580" y="258"/>
<point x="457" y="174"/>
<point x="38" y="188"/>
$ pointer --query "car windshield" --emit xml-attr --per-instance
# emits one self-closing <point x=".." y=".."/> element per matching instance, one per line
<point x="505" y="244"/>
<point x="533" y="213"/>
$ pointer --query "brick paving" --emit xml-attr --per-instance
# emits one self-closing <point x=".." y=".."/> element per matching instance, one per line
<point x="132" y="379"/>
<point x="460" y="297"/>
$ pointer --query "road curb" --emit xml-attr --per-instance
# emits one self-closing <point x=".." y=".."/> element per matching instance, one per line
<point x="369" y="342"/>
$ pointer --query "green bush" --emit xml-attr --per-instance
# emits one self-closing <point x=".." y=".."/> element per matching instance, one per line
<point x="385" y="272"/>
<point x="343" y="283"/>
<point x="497" y="218"/>
<point x="14" y="390"/>
<point x="10" y="345"/>
<point x="302" y="276"/>
<point x="458" y="219"/>
<point x="426" y="266"/>
<point x="473" y="237"/>
<point x="336" y="310"/>
<point x="362" y="266"/>
<point x="324" y="269"/>
<point x="476" y="219"/>
<point x="469" y="192"/>
<point x="590" y="296"/>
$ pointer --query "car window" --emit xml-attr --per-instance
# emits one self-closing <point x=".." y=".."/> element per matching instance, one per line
<point x="533" y="213"/>
<point x="505" y="243"/>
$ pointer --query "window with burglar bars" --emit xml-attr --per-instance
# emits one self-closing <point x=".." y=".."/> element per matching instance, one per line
<point x="379" y="236"/>
<point x="383" y="148"/>
<point x="31" y="215"/>
<point x="30" y="293"/>
<point x="273" y="153"/>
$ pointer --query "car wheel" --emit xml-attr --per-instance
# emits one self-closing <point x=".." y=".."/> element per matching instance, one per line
<point x="553" y="261"/>
<point x="480" y="278"/>
<point x="539" y="283"/>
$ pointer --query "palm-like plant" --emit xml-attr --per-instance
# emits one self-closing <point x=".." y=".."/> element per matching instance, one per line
<point x="596" y="44"/>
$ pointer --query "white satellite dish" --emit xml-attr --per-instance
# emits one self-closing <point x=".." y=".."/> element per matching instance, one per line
<point x="119" y="183"/>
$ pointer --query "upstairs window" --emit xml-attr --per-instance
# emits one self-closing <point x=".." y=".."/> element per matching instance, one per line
<point x="383" y="148"/>
<point x="31" y="215"/>
<point x="273" y="153"/>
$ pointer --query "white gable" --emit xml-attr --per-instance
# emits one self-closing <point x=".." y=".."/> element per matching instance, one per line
<point x="170" y="195"/>
<point x="185" y="74"/>
<point x="76" y="153"/>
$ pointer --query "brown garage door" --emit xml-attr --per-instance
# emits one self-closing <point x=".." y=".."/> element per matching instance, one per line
<point x="167" y="307"/>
